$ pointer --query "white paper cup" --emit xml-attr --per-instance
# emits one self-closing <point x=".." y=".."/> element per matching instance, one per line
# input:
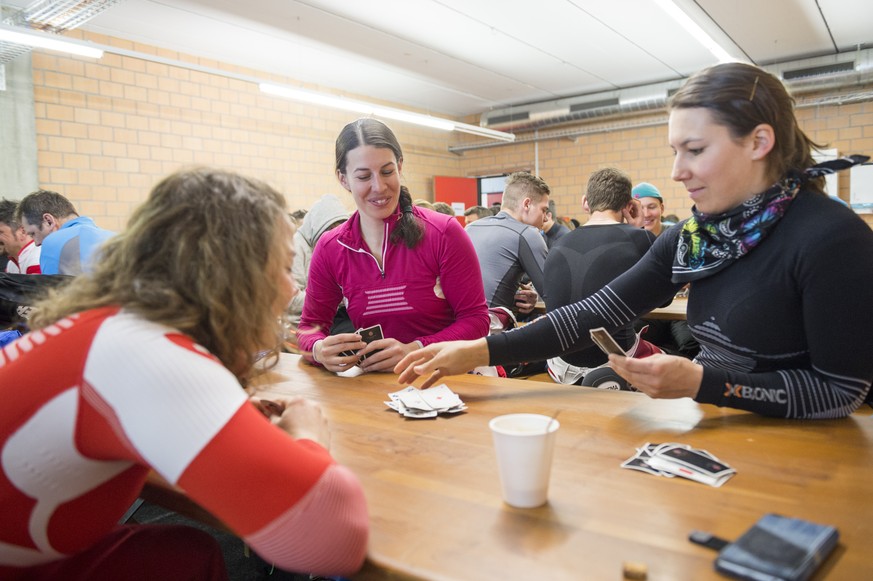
<point x="524" y="445"/>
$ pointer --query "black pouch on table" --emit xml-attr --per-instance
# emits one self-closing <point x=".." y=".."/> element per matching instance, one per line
<point x="775" y="548"/>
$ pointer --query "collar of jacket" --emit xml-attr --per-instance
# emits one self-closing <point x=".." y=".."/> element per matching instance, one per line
<point x="352" y="236"/>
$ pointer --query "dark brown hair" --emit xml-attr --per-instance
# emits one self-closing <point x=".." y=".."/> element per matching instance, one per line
<point x="368" y="131"/>
<point x="741" y="97"/>
<point x="40" y="202"/>
<point x="7" y="214"/>
<point x="608" y="189"/>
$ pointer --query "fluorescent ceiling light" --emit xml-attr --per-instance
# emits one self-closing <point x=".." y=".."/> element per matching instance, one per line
<point x="694" y="30"/>
<point x="336" y="102"/>
<point x="640" y="99"/>
<point x="47" y="41"/>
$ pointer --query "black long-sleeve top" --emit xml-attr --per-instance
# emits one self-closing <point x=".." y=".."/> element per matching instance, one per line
<point x="785" y="331"/>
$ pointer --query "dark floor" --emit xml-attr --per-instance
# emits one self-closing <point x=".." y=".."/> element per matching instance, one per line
<point x="241" y="565"/>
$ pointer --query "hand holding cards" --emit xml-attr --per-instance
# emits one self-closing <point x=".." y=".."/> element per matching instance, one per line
<point x="673" y="459"/>
<point x="425" y="403"/>
<point x="368" y="335"/>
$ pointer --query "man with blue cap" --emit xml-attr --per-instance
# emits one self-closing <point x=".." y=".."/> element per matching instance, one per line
<point x="652" y="206"/>
<point x="671" y="336"/>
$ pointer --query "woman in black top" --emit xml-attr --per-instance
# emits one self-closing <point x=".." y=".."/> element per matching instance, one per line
<point x="781" y="310"/>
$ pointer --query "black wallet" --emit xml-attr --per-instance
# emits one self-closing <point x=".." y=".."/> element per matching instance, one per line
<point x="777" y="548"/>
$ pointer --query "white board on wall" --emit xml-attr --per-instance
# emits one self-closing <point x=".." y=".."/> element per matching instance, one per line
<point x="861" y="188"/>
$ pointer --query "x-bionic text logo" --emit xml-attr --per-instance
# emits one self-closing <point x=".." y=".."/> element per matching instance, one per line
<point x="756" y="393"/>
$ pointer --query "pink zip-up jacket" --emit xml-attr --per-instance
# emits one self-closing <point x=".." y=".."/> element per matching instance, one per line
<point x="430" y="293"/>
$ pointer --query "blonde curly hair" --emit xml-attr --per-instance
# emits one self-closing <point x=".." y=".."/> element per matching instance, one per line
<point x="202" y="255"/>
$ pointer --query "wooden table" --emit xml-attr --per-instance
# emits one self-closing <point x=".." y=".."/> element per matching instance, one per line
<point x="675" y="311"/>
<point x="434" y="496"/>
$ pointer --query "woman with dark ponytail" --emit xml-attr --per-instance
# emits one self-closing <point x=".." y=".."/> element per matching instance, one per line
<point x="408" y="269"/>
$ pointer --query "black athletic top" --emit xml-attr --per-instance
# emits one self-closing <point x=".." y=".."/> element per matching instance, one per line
<point x="787" y="330"/>
<point x="582" y="262"/>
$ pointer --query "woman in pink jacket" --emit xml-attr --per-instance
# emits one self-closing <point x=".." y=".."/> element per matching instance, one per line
<point x="410" y="270"/>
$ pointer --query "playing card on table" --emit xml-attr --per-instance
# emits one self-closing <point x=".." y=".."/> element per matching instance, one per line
<point x="397" y="404"/>
<point x="693" y="464"/>
<point x="441" y="398"/>
<point x="672" y="459"/>
<point x="640" y="461"/>
<point x="411" y="398"/>
<point x="427" y="403"/>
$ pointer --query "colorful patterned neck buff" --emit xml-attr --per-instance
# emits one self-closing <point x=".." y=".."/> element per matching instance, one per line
<point x="707" y="244"/>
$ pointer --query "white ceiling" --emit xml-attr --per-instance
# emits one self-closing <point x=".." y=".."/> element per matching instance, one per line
<point x="461" y="57"/>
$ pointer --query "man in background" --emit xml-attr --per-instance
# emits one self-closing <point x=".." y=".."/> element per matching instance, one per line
<point x="68" y="240"/>
<point x="475" y="213"/>
<point x="443" y="208"/>
<point x="652" y="206"/>
<point x="510" y="245"/>
<point x="18" y="247"/>
<point x="591" y="256"/>
<point x="553" y="230"/>
<point x="672" y="336"/>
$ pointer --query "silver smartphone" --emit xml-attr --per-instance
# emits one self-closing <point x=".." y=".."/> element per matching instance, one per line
<point x="605" y="341"/>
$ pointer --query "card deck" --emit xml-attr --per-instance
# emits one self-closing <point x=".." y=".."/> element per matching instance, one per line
<point x="692" y="464"/>
<point x="425" y="403"/>
<point x="672" y="459"/>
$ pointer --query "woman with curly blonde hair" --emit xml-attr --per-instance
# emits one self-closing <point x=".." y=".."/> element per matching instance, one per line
<point x="137" y="367"/>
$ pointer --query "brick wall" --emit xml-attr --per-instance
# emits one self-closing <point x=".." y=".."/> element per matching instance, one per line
<point x="108" y="129"/>
<point x="644" y="154"/>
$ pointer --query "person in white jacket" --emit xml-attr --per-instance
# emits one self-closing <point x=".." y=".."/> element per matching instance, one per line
<point x="327" y="213"/>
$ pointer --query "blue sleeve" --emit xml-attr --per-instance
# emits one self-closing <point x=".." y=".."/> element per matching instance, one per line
<point x="50" y="255"/>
